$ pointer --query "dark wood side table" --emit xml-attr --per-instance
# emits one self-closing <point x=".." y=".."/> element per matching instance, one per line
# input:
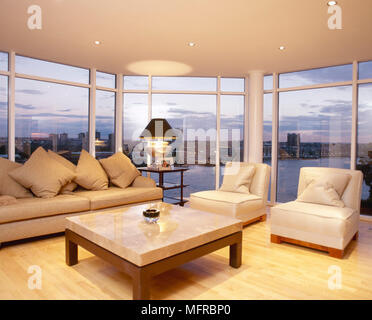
<point x="169" y="186"/>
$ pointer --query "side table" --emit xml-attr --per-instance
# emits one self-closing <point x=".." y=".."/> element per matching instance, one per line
<point x="167" y="185"/>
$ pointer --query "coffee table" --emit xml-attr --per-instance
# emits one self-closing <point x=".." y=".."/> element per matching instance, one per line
<point x="142" y="250"/>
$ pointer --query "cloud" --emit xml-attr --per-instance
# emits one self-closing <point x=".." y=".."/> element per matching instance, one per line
<point x="338" y="107"/>
<point x="30" y="91"/>
<point x="25" y="106"/>
<point x="322" y="75"/>
<point x="53" y="115"/>
<point x="185" y="113"/>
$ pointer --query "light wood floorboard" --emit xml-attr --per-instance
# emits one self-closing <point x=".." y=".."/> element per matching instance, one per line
<point x="269" y="271"/>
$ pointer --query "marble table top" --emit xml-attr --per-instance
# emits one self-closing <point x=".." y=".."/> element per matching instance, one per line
<point x="125" y="232"/>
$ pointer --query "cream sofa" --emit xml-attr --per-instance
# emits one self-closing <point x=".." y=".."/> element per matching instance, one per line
<point x="318" y="226"/>
<point x="246" y="207"/>
<point x="31" y="217"/>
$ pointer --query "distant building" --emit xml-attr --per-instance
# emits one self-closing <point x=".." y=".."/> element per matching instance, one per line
<point x="111" y="142"/>
<point x="54" y="138"/>
<point x="293" y="145"/>
<point x="63" y="139"/>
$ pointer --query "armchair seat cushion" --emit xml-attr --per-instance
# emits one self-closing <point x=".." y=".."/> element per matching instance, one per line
<point x="320" y="210"/>
<point x="228" y="197"/>
<point x="239" y="205"/>
<point x="320" y="224"/>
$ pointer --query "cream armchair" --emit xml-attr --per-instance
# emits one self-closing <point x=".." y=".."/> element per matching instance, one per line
<point x="325" y="227"/>
<point x="247" y="205"/>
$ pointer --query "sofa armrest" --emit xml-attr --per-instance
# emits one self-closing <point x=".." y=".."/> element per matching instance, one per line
<point x="143" y="182"/>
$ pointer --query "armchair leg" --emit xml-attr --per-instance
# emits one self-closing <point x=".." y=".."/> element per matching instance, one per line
<point x="275" y="239"/>
<point x="336" y="253"/>
<point x="356" y="236"/>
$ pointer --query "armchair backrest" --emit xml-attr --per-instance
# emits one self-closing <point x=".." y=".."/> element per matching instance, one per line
<point x="352" y="194"/>
<point x="261" y="178"/>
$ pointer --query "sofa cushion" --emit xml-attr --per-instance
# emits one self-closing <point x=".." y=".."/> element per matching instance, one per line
<point x="120" y="169"/>
<point x="43" y="175"/>
<point x="28" y="208"/>
<point x="115" y="196"/>
<point x="8" y="186"/>
<point x="71" y="186"/>
<point x="238" y="205"/>
<point x="90" y="174"/>
<point x="337" y="181"/>
<point x="295" y="207"/>
<point x="237" y="177"/>
<point x="144" y="182"/>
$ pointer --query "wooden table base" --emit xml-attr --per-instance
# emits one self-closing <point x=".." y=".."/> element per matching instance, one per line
<point x="142" y="275"/>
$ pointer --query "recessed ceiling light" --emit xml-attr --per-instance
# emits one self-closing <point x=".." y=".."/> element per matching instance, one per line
<point x="332" y="3"/>
<point x="282" y="48"/>
<point x="191" y="44"/>
<point x="97" y="42"/>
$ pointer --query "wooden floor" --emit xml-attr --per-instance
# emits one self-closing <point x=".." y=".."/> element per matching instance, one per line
<point x="269" y="271"/>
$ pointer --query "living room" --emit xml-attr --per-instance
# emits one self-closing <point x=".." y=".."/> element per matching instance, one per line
<point x="185" y="150"/>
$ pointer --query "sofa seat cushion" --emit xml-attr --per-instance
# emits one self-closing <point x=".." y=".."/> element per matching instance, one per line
<point x="295" y="207"/>
<point x="116" y="196"/>
<point x="29" y="208"/>
<point x="238" y="205"/>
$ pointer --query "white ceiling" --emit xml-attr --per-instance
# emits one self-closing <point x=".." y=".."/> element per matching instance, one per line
<point x="233" y="37"/>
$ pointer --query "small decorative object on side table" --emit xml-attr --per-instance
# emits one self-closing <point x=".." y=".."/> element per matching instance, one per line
<point x="169" y="186"/>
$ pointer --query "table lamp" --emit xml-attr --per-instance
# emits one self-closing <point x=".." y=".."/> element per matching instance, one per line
<point x="158" y="133"/>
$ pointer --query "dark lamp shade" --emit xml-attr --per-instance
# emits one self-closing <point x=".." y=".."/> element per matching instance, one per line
<point x="158" y="129"/>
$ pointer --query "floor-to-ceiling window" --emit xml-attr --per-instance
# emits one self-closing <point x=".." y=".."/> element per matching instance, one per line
<point x="231" y="122"/>
<point x="48" y="114"/>
<point x="364" y="150"/>
<point x="105" y="124"/>
<point x="267" y="125"/>
<point x="135" y="117"/>
<point x="194" y="116"/>
<point x="3" y="106"/>
<point x="314" y="131"/>
<point x="313" y="112"/>
<point x="105" y="115"/>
